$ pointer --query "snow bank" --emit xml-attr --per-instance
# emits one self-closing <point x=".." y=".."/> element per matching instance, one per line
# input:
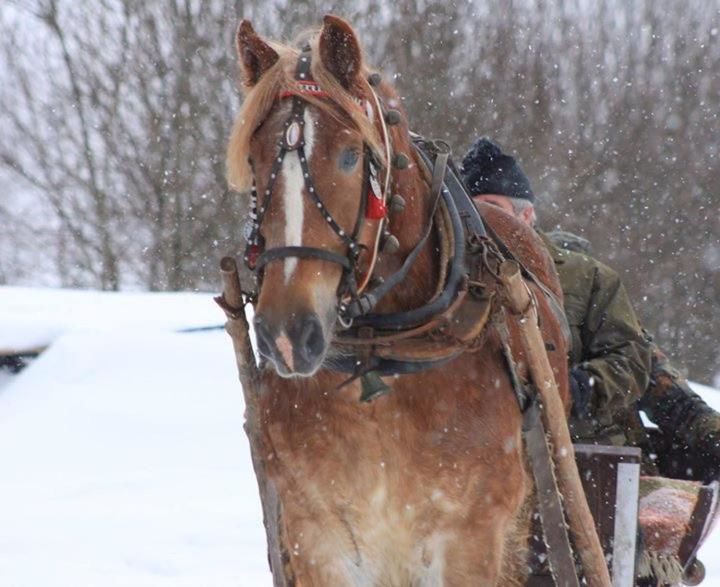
<point x="122" y="452"/>
<point x="124" y="463"/>
<point x="32" y="318"/>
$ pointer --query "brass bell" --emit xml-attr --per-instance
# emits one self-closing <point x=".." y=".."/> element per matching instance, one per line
<point x="372" y="386"/>
<point x="401" y="161"/>
<point x="374" y="79"/>
<point x="390" y="244"/>
<point x="397" y="204"/>
<point x="392" y="117"/>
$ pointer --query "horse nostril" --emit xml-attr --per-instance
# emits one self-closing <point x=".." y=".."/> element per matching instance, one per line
<point x="312" y="340"/>
<point x="264" y="338"/>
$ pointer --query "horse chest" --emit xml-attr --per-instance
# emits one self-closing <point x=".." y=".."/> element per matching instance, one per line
<point x="362" y="504"/>
<point x="384" y="466"/>
<point x="384" y="492"/>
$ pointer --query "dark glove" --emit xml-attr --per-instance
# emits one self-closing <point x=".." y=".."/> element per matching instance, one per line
<point x="709" y="469"/>
<point x="581" y="391"/>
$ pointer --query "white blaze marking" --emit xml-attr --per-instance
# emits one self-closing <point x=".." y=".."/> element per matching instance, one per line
<point x="293" y="199"/>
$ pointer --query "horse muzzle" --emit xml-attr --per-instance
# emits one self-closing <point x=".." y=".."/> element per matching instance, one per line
<point x="296" y="348"/>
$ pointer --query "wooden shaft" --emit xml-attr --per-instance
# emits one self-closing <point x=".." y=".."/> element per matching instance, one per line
<point x="231" y="282"/>
<point x="582" y="525"/>
<point x="239" y="330"/>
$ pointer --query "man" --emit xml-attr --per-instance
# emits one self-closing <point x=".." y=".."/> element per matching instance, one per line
<point x="615" y="367"/>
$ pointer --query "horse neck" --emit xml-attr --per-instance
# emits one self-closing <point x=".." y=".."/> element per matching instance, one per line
<point x="409" y="227"/>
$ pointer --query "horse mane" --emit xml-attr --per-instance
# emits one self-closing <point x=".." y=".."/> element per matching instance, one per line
<point x="261" y="97"/>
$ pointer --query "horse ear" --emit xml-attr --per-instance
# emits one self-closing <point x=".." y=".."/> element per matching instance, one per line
<point x="340" y="50"/>
<point x="256" y="56"/>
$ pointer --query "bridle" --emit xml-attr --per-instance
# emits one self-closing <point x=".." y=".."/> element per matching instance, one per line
<point x="373" y="197"/>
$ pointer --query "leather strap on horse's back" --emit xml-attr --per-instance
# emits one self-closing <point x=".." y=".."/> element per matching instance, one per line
<point x="466" y="207"/>
<point x="557" y="539"/>
<point x="555" y="305"/>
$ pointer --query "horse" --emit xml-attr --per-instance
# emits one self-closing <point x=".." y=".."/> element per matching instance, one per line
<point x="427" y="483"/>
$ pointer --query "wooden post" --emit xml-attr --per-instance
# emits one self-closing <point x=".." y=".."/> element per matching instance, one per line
<point x="582" y="525"/>
<point x="231" y="301"/>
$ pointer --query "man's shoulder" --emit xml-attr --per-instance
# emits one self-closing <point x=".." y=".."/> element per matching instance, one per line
<point x="564" y="256"/>
<point x="569" y="242"/>
<point x="577" y="270"/>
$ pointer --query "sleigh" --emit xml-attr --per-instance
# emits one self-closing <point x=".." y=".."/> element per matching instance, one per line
<point x="651" y="528"/>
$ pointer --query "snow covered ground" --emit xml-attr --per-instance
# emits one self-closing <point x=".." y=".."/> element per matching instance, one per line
<point x="122" y="455"/>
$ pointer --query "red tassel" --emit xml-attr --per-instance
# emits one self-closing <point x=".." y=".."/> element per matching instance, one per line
<point x="376" y="208"/>
<point x="253" y="252"/>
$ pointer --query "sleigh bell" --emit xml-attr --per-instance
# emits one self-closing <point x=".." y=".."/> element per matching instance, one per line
<point x="401" y="161"/>
<point x="390" y="243"/>
<point x="392" y="117"/>
<point x="374" y="79"/>
<point x="372" y="386"/>
<point x="397" y="204"/>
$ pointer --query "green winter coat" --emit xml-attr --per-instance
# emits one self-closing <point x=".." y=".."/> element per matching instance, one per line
<point x="608" y="343"/>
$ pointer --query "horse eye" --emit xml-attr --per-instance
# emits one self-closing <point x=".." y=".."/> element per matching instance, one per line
<point x="348" y="159"/>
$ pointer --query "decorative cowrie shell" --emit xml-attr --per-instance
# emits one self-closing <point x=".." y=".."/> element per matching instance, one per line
<point x="375" y="187"/>
<point x="369" y="111"/>
<point x="292" y="135"/>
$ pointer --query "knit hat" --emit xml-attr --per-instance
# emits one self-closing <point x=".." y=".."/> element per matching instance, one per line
<point x="486" y="169"/>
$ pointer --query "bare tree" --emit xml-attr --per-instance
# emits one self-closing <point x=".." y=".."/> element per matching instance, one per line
<point x="121" y="128"/>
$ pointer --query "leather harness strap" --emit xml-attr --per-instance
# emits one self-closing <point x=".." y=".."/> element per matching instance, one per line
<point x="550" y="507"/>
<point x="555" y="304"/>
<point x="362" y="305"/>
<point x="277" y="253"/>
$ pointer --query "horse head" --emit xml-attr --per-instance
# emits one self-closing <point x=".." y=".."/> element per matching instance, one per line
<point x="311" y="145"/>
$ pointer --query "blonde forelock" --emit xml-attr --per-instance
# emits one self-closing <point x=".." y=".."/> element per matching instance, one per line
<point x="260" y="99"/>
